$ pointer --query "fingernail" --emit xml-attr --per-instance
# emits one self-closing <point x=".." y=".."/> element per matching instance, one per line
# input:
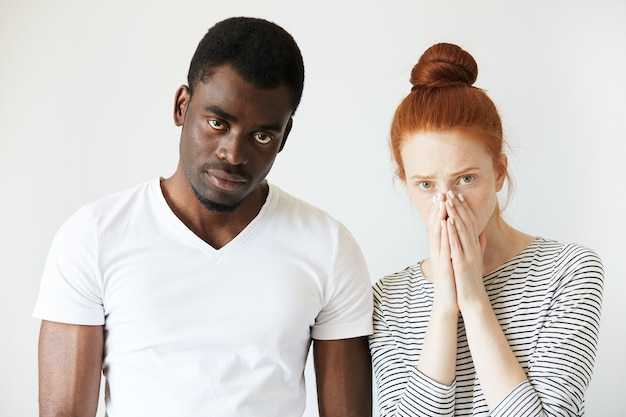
<point x="451" y="220"/>
<point x="450" y="194"/>
<point x="449" y="201"/>
<point x="461" y="197"/>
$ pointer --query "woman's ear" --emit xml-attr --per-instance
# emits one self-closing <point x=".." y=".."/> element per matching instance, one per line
<point x="181" y="101"/>
<point x="502" y="166"/>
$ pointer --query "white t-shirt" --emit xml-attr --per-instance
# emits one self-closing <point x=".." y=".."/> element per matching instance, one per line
<point x="195" y="331"/>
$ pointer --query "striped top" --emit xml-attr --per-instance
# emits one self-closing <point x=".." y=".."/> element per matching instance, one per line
<point x="548" y="302"/>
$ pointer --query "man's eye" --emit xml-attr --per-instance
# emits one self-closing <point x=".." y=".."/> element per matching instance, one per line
<point x="216" y="124"/>
<point x="262" y="138"/>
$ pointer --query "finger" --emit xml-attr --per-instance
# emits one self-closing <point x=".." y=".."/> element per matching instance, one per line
<point x="463" y="212"/>
<point x="436" y="214"/>
<point x="465" y="222"/>
<point x="459" y="231"/>
<point x="444" y="247"/>
<point x="456" y="249"/>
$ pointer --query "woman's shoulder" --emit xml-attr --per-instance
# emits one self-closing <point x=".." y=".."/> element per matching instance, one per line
<point x="568" y="261"/>
<point x="401" y="281"/>
<point x="561" y="250"/>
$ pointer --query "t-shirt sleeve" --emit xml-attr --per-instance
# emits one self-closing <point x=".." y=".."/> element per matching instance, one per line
<point x="71" y="286"/>
<point x="348" y="294"/>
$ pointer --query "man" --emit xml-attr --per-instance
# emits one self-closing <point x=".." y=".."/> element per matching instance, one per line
<point x="199" y="294"/>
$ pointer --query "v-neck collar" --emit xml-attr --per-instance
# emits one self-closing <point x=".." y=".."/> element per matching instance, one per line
<point x="189" y="235"/>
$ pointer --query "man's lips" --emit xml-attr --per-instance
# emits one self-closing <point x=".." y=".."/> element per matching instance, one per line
<point x="225" y="180"/>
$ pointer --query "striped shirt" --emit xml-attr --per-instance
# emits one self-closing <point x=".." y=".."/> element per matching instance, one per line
<point x="548" y="302"/>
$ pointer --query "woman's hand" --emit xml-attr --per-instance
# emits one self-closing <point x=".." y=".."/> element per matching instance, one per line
<point x="494" y="360"/>
<point x="467" y="245"/>
<point x="437" y="358"/>
<point x="441" y="271"/>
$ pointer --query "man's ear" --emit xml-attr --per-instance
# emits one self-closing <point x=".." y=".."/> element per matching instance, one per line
<point x="286" y="134"/>
<point x="181" y="101"/>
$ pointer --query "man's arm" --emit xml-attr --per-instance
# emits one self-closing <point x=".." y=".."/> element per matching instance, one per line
<point x="343" y="371"/>
<point x="70" y="368"/>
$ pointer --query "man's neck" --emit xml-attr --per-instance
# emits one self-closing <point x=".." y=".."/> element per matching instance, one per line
<point x="215" y="228"/>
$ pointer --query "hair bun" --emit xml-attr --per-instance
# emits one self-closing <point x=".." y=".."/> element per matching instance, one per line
<point x="444" y="64"/>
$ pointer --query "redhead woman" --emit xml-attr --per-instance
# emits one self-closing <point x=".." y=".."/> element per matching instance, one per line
<point x="495" y="322"/>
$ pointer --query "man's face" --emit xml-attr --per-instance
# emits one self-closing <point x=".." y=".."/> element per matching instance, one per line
<point x="231" y="134"/>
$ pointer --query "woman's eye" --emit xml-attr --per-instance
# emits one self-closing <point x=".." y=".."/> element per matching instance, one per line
<point x="467" y="179"/>
<point x="262" y="138"/>
<point x="425" y="185"/>
<point x="216" y="124"/>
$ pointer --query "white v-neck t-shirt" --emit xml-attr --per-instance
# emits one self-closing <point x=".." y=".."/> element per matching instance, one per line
<point x="195" y="331"/>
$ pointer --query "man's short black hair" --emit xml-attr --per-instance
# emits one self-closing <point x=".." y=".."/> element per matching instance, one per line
<point x="261" y="52"/>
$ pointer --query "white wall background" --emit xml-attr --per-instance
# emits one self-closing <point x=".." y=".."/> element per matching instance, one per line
<point x="86" y="109"/>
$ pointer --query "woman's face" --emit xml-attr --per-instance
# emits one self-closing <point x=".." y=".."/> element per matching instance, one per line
<point x="453" y="160"/>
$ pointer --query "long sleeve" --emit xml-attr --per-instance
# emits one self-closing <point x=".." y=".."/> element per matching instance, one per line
<point x="561" y="363"/>
<point x="402" y="389"/>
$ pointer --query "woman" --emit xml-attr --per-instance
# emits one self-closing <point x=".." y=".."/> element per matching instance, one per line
<point x="495" y="321"/>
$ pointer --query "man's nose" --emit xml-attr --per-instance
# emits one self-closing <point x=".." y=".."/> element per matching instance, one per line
<point x="233" y="148"/>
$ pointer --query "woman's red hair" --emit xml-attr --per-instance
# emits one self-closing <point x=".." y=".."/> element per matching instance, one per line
<point x="442" y="98"/>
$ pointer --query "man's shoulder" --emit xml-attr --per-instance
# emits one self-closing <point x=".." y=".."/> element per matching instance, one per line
<point x="132" y="199"/>
<point x="300" y="208"/>
<point x="135" y="193"/>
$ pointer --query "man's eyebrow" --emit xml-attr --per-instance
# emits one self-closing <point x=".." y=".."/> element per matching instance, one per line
<point x="220" y="113"/>
<point x="272" y="128"/>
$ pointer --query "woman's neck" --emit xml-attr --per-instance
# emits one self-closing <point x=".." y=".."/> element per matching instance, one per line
<point x="503" y="243"/>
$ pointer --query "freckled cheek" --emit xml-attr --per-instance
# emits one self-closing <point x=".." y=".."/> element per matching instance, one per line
<point x="423" y="204"/>
<point x="482" y="205"/>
